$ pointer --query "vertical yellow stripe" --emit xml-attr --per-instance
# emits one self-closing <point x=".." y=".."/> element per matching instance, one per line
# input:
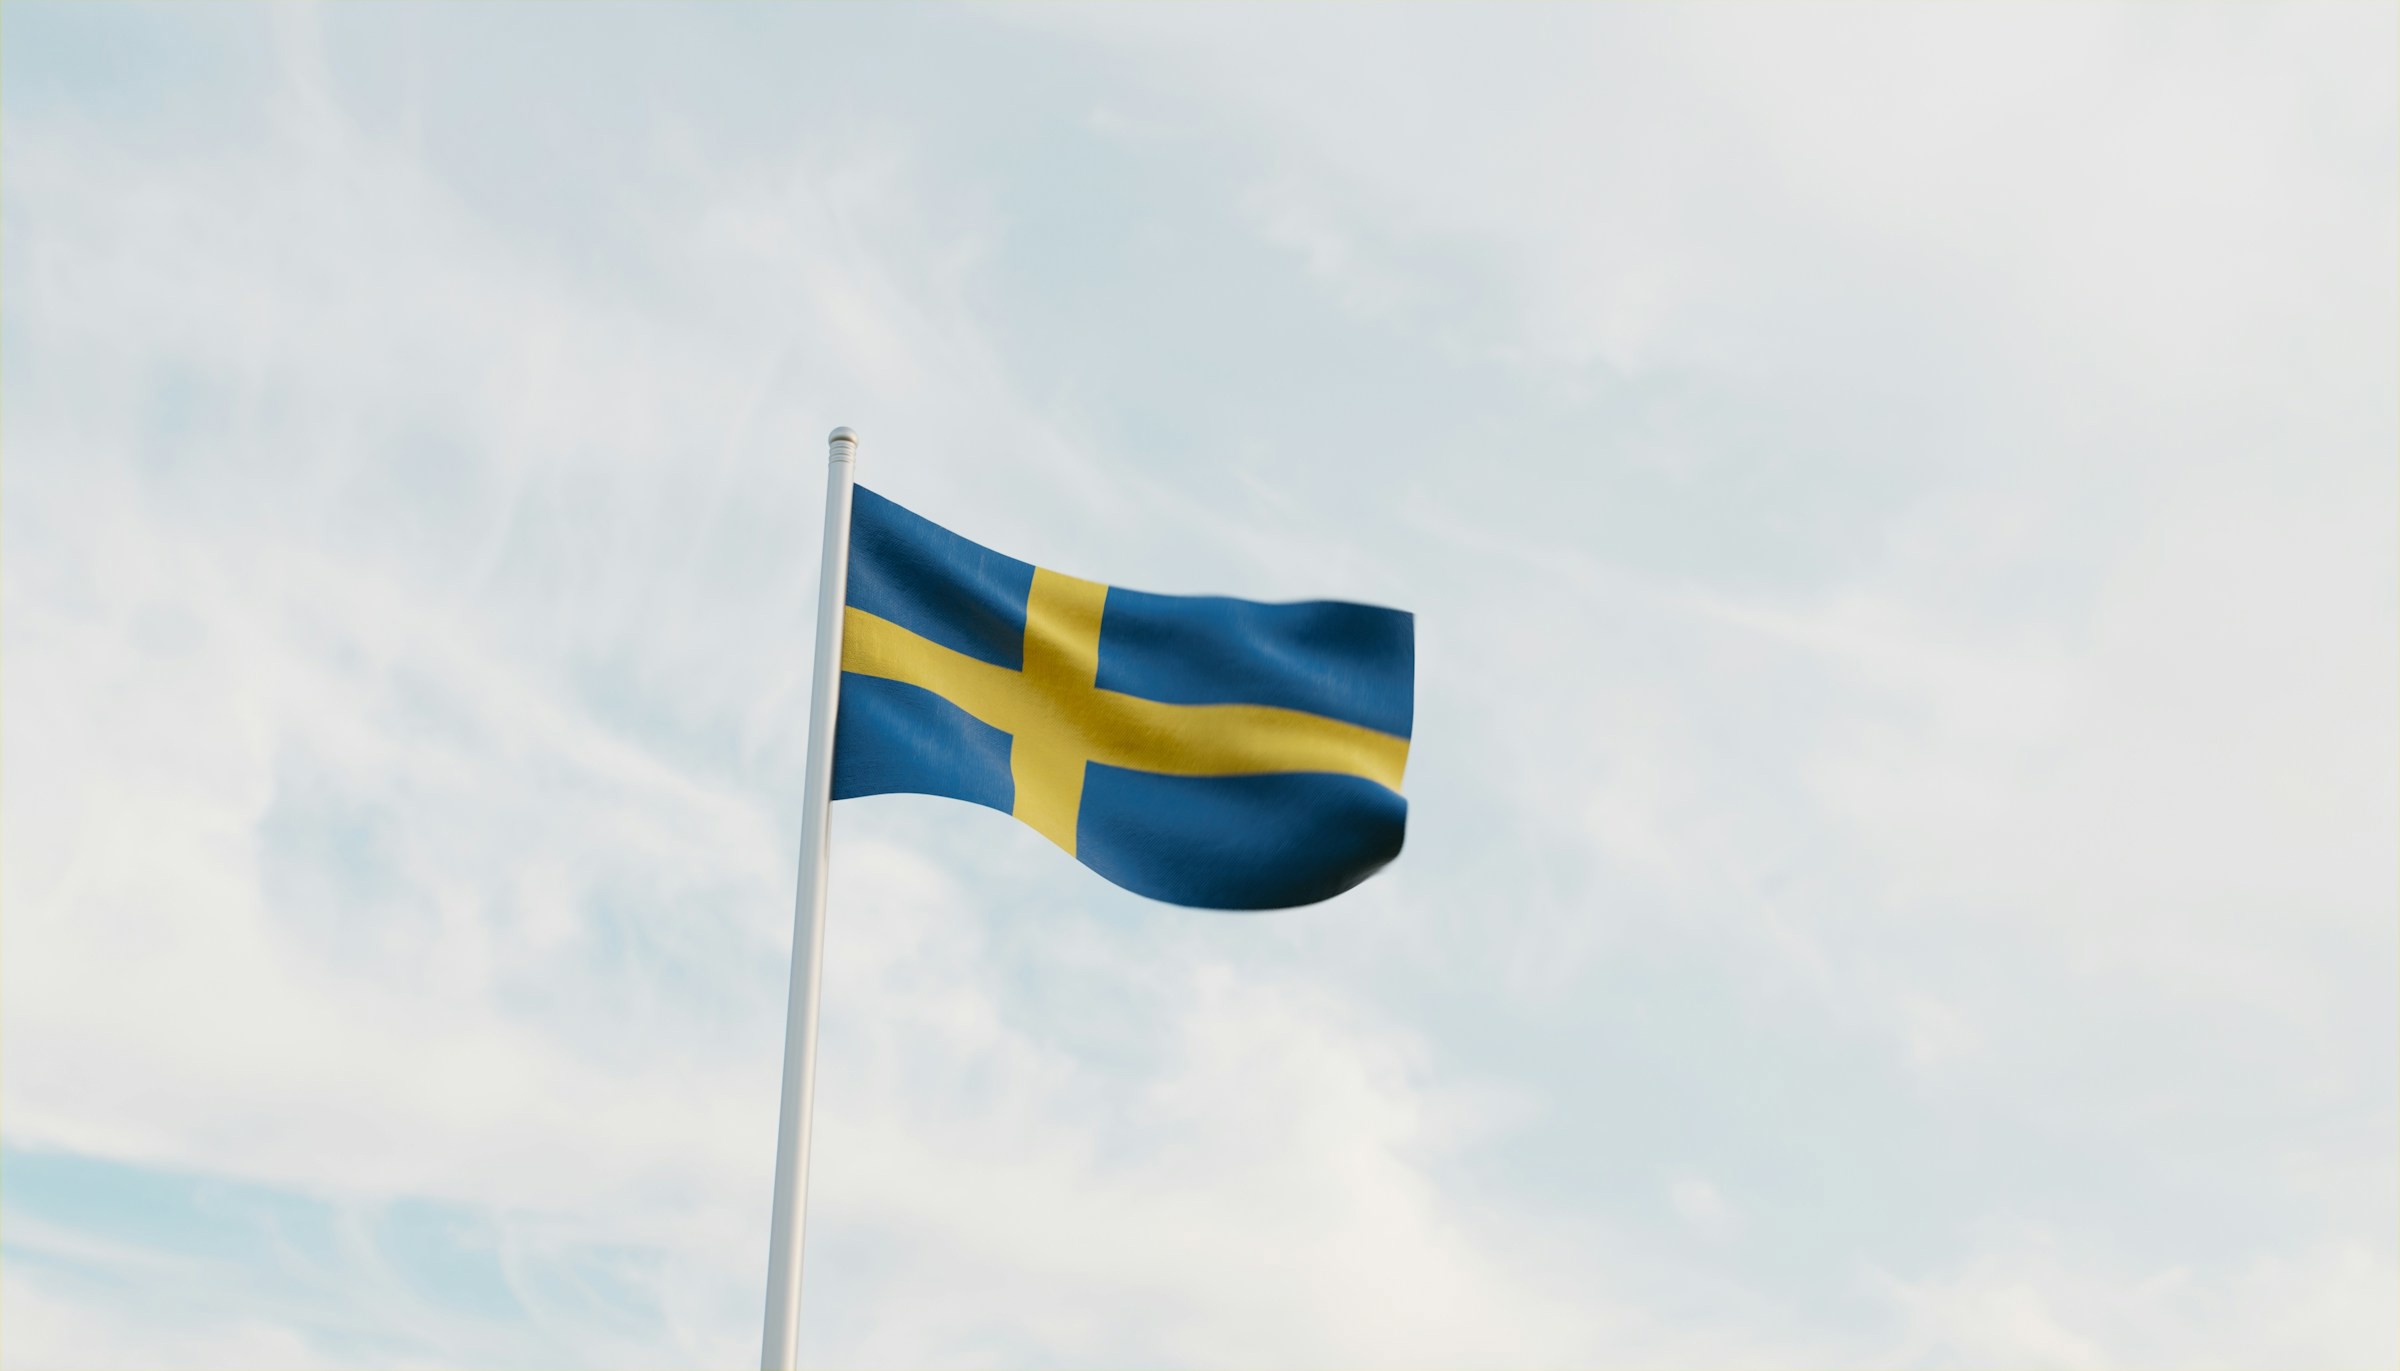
<point x="1062" y="660"/>
<point x="1062" y="630"/>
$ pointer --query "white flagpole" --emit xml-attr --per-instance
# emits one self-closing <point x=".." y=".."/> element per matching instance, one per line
<point x="782" y="1344"/>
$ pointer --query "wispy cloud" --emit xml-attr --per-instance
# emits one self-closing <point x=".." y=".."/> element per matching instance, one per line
<point x="1897" y="504"/>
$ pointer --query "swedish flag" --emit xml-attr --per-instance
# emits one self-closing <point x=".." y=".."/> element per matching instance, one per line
<point x="1195" y="749"/>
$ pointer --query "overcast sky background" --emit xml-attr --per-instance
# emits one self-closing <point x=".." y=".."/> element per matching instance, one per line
<point x="1900" y="509"/>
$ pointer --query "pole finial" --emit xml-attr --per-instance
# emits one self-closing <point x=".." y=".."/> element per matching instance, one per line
<point x="841" y="435"/>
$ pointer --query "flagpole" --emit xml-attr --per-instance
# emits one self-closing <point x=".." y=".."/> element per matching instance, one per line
<point x="781" y="1347"/>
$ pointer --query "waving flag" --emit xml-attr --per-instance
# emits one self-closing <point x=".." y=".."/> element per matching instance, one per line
<point x="1198" y="750"/>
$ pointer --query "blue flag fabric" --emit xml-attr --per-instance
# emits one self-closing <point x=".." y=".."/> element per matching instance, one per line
<point x="1204" y="751"/>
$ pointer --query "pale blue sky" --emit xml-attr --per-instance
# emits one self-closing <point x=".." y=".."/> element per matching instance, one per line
<point x="1899" y="507"/>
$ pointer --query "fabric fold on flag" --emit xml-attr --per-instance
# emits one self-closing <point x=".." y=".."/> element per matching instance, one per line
<point x="1200" y="750"/>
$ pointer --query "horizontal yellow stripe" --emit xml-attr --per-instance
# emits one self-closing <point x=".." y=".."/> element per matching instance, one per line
<point x="1122" y="730"/>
